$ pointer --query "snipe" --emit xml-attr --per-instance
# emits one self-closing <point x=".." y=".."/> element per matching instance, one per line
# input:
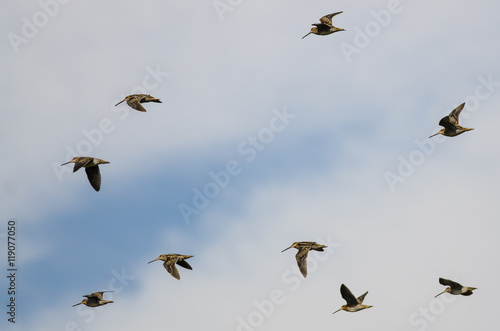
<point x="304" y="247"/>
<point x="135" y="100"/>
<point x="353" y="304"/>
<point x="94" y="300"/>
<point x="171" y="260"/>
<point x="91" y="165"/>
<point x="450" y="124"/>
<point x="325" y="27"/>
<point x="455" y="288"/>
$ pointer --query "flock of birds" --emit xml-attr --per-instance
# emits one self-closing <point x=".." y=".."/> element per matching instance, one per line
<point x="451" y="128"/>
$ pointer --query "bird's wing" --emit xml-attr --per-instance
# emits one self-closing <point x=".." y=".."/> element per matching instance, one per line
<point x="327" y="19"/>
<point x="452" y="284"/>
<point x="92" y="300"/>
<point x="348" y="296"/>
<point x="81" y="163"/>
<point x="301" y="257"/>
<point x="184" y="264"/>
<point x="94" y="176"/>
<point x="362" y="297"/>
<point x="146" y="98"/>
<point x="318" y="247"/>
<point x="171" y="268"/>
<point x="97" y="295"/>
<point x="456" y="113"/>
<point x="447" y="124"/>
<point x="321" y="26"/>
<point x="135" y="103"/>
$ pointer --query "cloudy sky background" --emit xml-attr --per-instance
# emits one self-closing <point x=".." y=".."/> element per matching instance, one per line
<point x="355" y="120"/>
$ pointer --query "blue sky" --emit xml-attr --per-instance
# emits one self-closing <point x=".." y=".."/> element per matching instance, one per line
<point x="313" y="143"/>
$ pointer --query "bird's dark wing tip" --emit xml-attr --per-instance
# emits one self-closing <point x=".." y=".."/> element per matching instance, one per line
<point x="184" y="264"/>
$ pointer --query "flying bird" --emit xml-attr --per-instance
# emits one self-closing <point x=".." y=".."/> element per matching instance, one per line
<point x="94" y="300"/>
<point x="353" y="304"/>
<point x="455" y="288"/>
<point x="325" y="27"/>
<point x="304" y="247"/>
<point x="450" y="124"/>
<point x="135" y="100"/>
<point x="171" y="260"/>
<point x="91" y="165"/>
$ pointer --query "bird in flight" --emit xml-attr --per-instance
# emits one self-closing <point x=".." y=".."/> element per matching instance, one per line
<point x="94" y="300"/>
<point x="450" y="124"/>
<point x="353" y="304"/>
<point x="170" y="260"/>
<point x="455" y="288"/>
<point x="91" y="165"/>
<point x="325" y="27"/>
<point x="135" y="100"/>
<point x="304" y="247"/>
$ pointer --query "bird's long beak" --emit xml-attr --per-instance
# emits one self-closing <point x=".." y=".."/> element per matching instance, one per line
<point x="77" y="304"/>
<point x="306" y="35"/>
<point x="119" y="102"/>
<point x="434" y="135"/>
<point x="440" y="294"/>
<point x="286" y="249"/>
<point x="154" y="260"/>
<point x="66" y="163"/>
<point x="337" y="311"/>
